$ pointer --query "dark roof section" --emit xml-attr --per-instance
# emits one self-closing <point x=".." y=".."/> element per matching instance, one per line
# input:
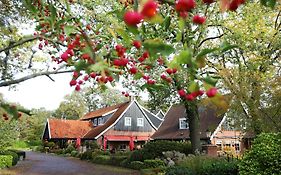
<point x="169" y="129"/>
<point x="97" y="130"/>
<point x="69" y="129"/>
<point x="153" y="118"/>
<point x="160" y="114"/>
<point x="102" y="111"/>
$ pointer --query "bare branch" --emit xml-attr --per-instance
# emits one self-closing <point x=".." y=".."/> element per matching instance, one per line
<point x="215" y="37"/>
<point x="21" y="42"/>
<point x="16" y="81"/>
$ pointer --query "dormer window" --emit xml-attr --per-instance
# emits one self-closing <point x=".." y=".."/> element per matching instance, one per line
<point x="128" y="121"/>
<point x="100" y="121"/>
<point x="183" y="123"/>
<point x="140" y="122"/>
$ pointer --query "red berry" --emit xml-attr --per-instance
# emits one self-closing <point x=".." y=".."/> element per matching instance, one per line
<point x="160" y="60"/>
<point x="234" y="4"/>
<point x="181" y="92"/>
<point x="141" y="59"/>
<point x="127" y="95"/>
<point x="183" y="14"/>
<point x="169" y="80"/>
<point x="189" y="97"/>
<point x="70" y="52"/>
<point x="109" y="78"/>
<point x="146" y="77"/>
<point x="19" y="115"/>
<point x="73" y="82"/>
<point x="64" y="56"/>
<point x="163" y="76"/>
<point x="124" y="61"/>
<point x="93" y="74"/>
<point x="211" y="92"/>
<point x="133" y="70"/>
<point x="117" y="62"/>
<point x="85" y="56"/>
<point x="86" y="77"/>
<point x="185" y="5"/>
<point x="88" y="27"/>
<point x="149" y="9"/>
<point x="175" y="70"/>
<point x="77" y="88"/>
<point x="169" y="71"/>
<point x="76" y="74"/>
<point x="208" y="1"/>
<point x="145" y="54"/>
<point x="80" y="82"/>
<point x="149" y="81"/>
<point x="132" y="18"/>
<point x="40" y="46"/>
<point x="199" y="19"/>
<point x="137" y="44"/>
<point x="123" y="92"/>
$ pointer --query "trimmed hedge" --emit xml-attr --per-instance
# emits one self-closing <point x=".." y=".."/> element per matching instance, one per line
<point x="6" y="161"/>
<point x="74" y="153"/>
<point x="102" y="159"/>
<point x="220" y="168"/>
<point x="153" y="163"/>
<point x="136" y="165"/>
<point x="179" y="171"/>
<point x="69" y="149"/>
<point x="13" y="154"/>
<point x="86" y="155"/>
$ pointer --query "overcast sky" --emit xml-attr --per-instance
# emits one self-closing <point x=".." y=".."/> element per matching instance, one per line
<point x="40" y="92"/>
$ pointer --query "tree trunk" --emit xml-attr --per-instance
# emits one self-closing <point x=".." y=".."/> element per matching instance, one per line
<point x="193" y="121"/>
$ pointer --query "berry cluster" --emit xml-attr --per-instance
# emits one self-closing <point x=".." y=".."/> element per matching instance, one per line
<point x="193" y="95"/>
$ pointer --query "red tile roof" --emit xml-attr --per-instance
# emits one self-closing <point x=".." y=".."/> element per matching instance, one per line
<point x="70" y="129"/>
<point x="101" y="111"/>
<point x="97" y="130"/>
<point x="169" y="129"/>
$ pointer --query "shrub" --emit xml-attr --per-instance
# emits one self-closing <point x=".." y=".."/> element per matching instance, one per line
<point x="98" y="152"/>
<point x="264" y="157"/>
<point x="6" y="161"/>
<point x="69" y="149"/>
<point x="153" y="163"/>
<point x="153" y="150"/>
<point x="179" y="171"/>
<point x="74" y="153"/>
<point x="13" y="154"/>
<point x="19" y="144"/>
<point x="51" y="145"/>
<point x="86" y="155"/>
<point x="220" y="168"/>
<point x="153" y="171"/>
<point x="38" y="148"/>
<point x="137" y="155"/>
<point x="116" y="160"/>
<point x="137" y="165"/>
<point x="125" y="163"/>
<point x="102" y="159"/>
<point x="35" y="142"/>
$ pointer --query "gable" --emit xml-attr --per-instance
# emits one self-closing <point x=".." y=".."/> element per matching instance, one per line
<point x="134" y="112"/>
<point x="46" y="132"/>
<point x="156" y="121"/>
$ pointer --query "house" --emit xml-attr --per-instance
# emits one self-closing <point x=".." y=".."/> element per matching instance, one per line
<point x="212" y="129"/>
<point x="123" y="126"/>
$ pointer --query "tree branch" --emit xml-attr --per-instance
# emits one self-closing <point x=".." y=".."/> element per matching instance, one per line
<point x="47" y="73"/>
<point x="20" y="42"/>
<point x="215" y="37"/>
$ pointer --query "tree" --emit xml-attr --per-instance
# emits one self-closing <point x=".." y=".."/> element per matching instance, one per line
<point x="73" y="107"/>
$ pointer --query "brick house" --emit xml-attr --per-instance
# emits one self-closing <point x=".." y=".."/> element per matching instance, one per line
<point x="213" y="130"/>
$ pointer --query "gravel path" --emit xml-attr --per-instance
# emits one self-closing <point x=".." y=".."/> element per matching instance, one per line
<point x="47" y="164"/>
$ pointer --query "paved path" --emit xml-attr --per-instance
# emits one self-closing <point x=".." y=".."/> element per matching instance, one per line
<point x="46" y="164"/>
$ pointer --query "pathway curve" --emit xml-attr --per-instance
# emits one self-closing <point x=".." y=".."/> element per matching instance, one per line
<point x="47" y="164"/>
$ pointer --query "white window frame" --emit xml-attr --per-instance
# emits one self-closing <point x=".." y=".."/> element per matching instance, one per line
<point x="100" y="121"/>
<point x="140" y="122"/>
<point x="180" y="123"/>
<point x="128" y="121"/>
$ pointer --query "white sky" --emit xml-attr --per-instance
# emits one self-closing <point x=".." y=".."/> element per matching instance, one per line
<point x="39" y="92"/>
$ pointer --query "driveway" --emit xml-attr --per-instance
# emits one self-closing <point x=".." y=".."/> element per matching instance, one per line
<point x="47" y="164"/>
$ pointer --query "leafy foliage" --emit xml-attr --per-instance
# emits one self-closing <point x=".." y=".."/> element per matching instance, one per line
<point x="6" y="161"/>
<point x="264" y="157"/>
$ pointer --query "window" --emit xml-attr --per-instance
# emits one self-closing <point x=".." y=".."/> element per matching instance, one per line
<point x="95" y="122"/>
<point x="237" y="147"/>
<point x="183" y="123"/>
<point x="123" y="147"/>
<point x="127" y="121"/>
<point x="140" y="122"/>
<point x="100" y="121"/>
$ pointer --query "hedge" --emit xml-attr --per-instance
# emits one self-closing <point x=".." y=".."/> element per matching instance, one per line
<point x="179" y="171"/>
<point x="137" y="165"/>
<point x="102" y="159"/>
<point x="13" y="154"/>
<point x="153" y="163"/>
<point x="6" y="161"/>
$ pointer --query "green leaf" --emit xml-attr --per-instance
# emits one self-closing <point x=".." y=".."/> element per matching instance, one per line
<point x="80" y="65"/>
<point x="179" y="36"/>
<point x="268" y="3"/>
<point x="155" y="46"/>
<point x="167" y="22"/>
<point x="226" y="46"/>
<point x="29" y="6"/>
<point x="133" y="30"/>
<point x="53" y="14"/>
<point x="184" y="57"/>
<point x="69" y="30"/>
<point x="194" y="86"/>
<point x="123" y="34"/>
<point x="181" y="24"/>
<point x="157" y="19"/>
<point x="211" y="81"/>
<point x="98" y="67"/>
<point x="138" y="76"/>
<point x="204" y="52"/>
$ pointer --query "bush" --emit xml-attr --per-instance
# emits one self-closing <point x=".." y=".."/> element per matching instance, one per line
<point x="153" y="163"/>
<point x="51" y="145"/>
<point x="116" y="160"/>
<point x="203" y="165"/>
<point x="125" y="163"/>
<point x="98" y="152"/>
<point x="74" y="153"/>
<point x="86" y="155"/>
<point x="39" y="148"/>
<point x="13" y="154"/>
<point x="153" y="171"/>
<point x="179" y="171"/>
<point x="69" y="149"/>
<point x="153" y="150"/>
<point x="137" y="155"/>
<point x="265" y="156"/>
<point x="34" y="142"/>
<point x="137" y="165"/>
<point x="6" y="161"/>
<point x="102" y="159"/>
<point x="20" y="144"/>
